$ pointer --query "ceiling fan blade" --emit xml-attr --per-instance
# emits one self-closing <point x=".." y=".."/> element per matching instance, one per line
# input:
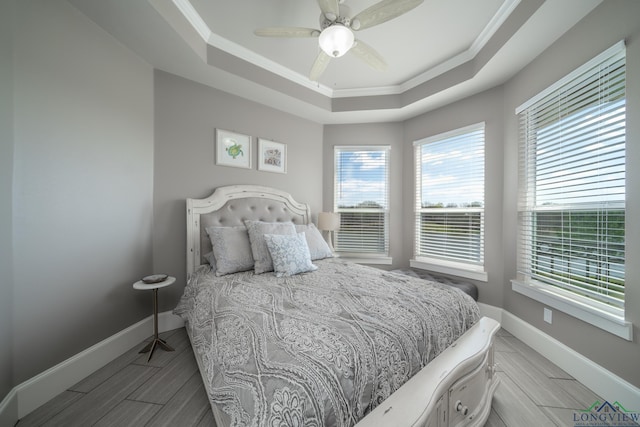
<point x="382" y="12"/>
<point x="320" y="64"/>
<point x="369" y="55"/>
<point x="329" y="8"/>
<point x="292" y="32"/>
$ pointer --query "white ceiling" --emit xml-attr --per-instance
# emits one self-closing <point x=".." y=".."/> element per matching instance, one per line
<point x="439" y="52"/>
<point x="411" y="44"/>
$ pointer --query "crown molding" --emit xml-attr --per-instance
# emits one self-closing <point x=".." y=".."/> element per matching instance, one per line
<point x="209" y="37"/>
<point x="213" y="39"/>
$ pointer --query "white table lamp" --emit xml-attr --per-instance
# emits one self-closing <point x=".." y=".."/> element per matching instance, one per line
<point x="329" y="222"/>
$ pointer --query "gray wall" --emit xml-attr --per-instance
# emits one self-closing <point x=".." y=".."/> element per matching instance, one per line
<point x="77" y="124"/>
<point x="6" y="202"/>
<point x="485" y="107"/>
<point x="83" y="176"/>
<point x="372" y="134"/>
<point x="612" y="21"/>
<point x="186" y="116"/>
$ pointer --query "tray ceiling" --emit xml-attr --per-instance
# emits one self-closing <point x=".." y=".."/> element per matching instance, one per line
<point x="441" y="51"/>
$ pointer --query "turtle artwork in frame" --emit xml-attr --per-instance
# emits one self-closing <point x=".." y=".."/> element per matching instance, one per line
<point x="233" y="149"/>
<point x="272" y="156"/>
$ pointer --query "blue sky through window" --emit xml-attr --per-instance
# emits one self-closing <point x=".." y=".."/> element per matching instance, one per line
<point x="580" y="158"/>
<point x="452" y="172"/>
<point x="361" y="177"/>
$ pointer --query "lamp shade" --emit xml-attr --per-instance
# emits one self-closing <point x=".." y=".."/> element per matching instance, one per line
<point x="328" y="221"/>
<point x="336" y="40"/>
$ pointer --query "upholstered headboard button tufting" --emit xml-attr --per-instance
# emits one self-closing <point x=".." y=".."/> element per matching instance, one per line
<point x="236" y="204"/>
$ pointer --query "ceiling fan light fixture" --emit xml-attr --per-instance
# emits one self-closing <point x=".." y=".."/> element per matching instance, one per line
<point x="336" y="40"/>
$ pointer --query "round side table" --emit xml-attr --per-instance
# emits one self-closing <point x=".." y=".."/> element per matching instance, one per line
<point x="157" y="341"/>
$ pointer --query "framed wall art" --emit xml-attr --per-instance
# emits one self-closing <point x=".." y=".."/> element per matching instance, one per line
<point x="233" y="149"/>
<point x="272" y="156"/>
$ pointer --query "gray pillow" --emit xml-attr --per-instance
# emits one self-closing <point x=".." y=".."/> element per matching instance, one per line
<point x="290" y="254"/>
<point x="259" y="250"/>
<point x="231" y="249"/>
<point x="211" y="260"/>
<point x="318" y="247"/>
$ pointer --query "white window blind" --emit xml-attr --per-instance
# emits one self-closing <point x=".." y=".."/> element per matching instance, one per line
<point x="450" y="197"/>
<point x="361" y="197"/>
<point x="572" y="184"/>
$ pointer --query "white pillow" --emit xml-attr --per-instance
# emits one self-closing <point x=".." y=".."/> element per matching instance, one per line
<point x="257" y="230"/>
<point x="318" y="247"/>
<point x="290" y="254"/>
<point x="231" y="249"/>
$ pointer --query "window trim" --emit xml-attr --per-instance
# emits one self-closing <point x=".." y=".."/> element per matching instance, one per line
<point x="450" y="267"/>
<point x="367" y="257"/>
<point x="572" y="75"/>
<point x="447" y="266"/>
<point x="573" y="305"/>
<point x="598" y="314"/>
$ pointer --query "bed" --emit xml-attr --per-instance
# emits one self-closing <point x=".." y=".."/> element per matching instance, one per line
<point x="314" y="340"/>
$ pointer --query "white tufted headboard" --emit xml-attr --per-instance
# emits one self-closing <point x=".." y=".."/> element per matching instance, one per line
<point x="232" y="205"/>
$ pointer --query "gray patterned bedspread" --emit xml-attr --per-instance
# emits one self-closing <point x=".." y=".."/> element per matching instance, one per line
<point x="316" y="349"/>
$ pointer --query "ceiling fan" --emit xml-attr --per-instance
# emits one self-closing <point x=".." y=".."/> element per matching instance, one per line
<point x="336" y="36"/>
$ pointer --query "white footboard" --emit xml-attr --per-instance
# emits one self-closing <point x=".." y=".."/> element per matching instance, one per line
<point x="455" y="389"/>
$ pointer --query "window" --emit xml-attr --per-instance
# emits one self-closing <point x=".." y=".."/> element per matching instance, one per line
<point x="572" y="188"/>
<point x="449" y="202"/>
<point x="361" y="197"/>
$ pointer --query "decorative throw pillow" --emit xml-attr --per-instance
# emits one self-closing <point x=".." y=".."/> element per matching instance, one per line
<point x="231" y="249"/>
<point x="290" y="254"/>
<point x="257" y="230"/>
<point x="318" y="247"/>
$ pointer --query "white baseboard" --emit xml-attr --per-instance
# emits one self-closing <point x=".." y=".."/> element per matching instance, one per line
<point x="32" y="393"/>
<point x="9" y="409"/>
<point x="29" y="395"/>
<point x="491" y="311"/>
<point x="604" y="383"/>
<point x="601" y="381"/>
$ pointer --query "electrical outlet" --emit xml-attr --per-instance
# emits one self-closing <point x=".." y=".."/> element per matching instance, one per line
<point x="547" y="315"/>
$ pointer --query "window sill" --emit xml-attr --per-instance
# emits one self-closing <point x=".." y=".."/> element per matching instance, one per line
<point x="373" y="260"/>
<point x="452" y="268"/>
<point x="602" y="319"/>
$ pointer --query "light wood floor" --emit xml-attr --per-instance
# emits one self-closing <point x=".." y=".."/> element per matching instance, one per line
<point x="168" y="391"/>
